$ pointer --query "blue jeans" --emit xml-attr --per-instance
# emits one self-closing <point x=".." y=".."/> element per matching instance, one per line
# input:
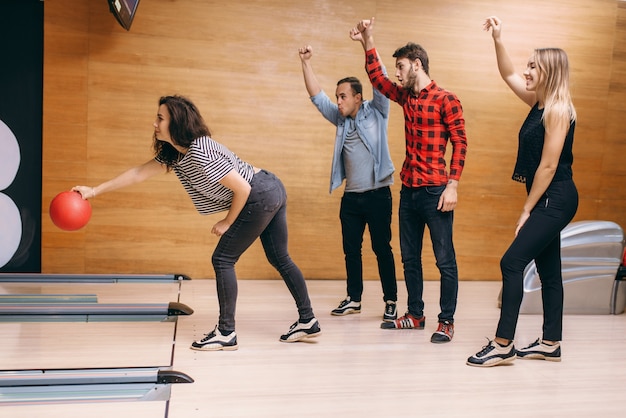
<point x="540" y="240"/>
<point x="264" y="216"/>
<point x="418" y="209"/>
<point x="371" y="208"/>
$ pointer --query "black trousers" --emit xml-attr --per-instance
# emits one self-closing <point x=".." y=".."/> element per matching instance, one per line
<point x="371" y="209"/>
<point x="539" y="239"/>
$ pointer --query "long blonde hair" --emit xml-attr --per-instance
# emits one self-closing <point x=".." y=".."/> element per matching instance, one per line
<point x="554" y="84"/>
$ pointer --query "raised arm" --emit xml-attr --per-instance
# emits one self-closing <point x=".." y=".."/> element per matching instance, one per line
<point x="374" y="66"/>
<point x="515" y="81"/>
<point x="356" y="35"/>
<point x="379" y="101"/>
<point x="132" y="176"/>
<point x="364" y="32"/>
<point x="310" y="80"/>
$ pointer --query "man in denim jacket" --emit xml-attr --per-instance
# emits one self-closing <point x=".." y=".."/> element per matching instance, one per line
<point x="361" y="157"/>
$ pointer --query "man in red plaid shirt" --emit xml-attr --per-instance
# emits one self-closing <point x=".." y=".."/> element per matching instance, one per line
<point x="433" y="116"/>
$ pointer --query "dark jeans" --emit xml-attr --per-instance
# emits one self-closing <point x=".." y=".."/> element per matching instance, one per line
<point x="418" y="209"/>
<point x="371" y="208"/>
<point x="540" y="240"/>
<point x="264" y="216"/>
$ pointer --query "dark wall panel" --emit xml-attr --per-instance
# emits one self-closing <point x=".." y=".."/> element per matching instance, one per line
<point x="21" y="87"/>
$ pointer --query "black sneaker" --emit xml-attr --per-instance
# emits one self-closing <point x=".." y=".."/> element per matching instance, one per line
<point x="301" y="331"/>
<point x="346" y="307"/>
<point x="541" y="351"/>
<point x="444" y="333"/>
<point x="215" y="341"/>
<point x="493" y="354"/>
<point x="390" y="311"/>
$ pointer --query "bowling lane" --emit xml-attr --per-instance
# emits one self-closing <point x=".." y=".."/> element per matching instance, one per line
<point x="42" y="344"/>
<point x="90" y="410"/>
<point x="69" y="345"/>
<point x="120" y="292"/>
<point x="65" y="345"/>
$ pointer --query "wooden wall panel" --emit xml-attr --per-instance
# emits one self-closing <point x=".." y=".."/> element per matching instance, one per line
<point x="65" y="114"/>
<point x="238" y="61"/>
<point x="613" y="190"/>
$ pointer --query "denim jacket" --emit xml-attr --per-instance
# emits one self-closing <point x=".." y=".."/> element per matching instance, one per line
<point x="371" y="123"/>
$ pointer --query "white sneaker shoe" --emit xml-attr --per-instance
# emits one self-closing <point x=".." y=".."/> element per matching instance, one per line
<point x="215" y="341"/>
<point x="541" y="351"/>
<point x="346" y="307"/>
<point x="493" y="354"/>
<point x="301" y="331"/>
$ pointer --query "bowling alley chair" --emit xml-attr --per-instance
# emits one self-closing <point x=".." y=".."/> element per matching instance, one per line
<point x="594" y="271"/>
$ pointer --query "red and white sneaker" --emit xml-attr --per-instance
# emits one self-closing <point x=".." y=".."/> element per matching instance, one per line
<point x="444" y="333"/>
<point x="407" y="321"/>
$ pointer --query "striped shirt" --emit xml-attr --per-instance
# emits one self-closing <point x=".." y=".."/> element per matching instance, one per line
<point x="201" y="169"/>
<point x="430" y="119"/>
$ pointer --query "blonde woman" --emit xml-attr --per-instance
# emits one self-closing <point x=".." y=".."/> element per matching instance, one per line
<point x="544" y="164"/>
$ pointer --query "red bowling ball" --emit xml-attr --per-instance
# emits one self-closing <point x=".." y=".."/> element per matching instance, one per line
<point x="69" y="211"/>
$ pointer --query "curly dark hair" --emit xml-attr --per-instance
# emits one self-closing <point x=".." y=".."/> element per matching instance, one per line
<point x="186" y="124"/>
<point x="413" y="51"/>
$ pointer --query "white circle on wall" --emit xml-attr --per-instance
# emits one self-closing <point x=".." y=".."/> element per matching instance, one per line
<point x="11" y="227"/>
<point x="9" y="157"/>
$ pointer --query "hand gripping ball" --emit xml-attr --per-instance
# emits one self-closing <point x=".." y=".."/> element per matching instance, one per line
<point x="69" y="211"/>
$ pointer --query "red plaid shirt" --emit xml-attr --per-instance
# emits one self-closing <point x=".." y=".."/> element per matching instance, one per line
<point x="430" y="120"/>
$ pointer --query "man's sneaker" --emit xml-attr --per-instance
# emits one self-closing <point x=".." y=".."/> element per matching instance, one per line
<point x="215" y="341"/>
<point x="346" y="307"/>
<point x="444" y="333"/>
<point x="301" y="331"/>
<point x="407" y="321"/>
<point x="493" y="354"/>
<point x="390" y="311"/>
<point x="541" y="351"/>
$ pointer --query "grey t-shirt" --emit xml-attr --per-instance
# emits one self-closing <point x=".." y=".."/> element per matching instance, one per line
<point x="358" y="161"/>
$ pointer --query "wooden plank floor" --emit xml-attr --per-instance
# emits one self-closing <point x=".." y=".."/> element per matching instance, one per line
<point x="357" y="369"/>
<point x="354" y="367"/>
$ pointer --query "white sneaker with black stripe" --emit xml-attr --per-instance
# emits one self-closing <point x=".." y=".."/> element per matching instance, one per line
<point x="300" y="331"/>
<point x="216" y="341"/>
<point x="346" y="307"/>
<point x="493" y="354"/>
<point x="541" y="351"/>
